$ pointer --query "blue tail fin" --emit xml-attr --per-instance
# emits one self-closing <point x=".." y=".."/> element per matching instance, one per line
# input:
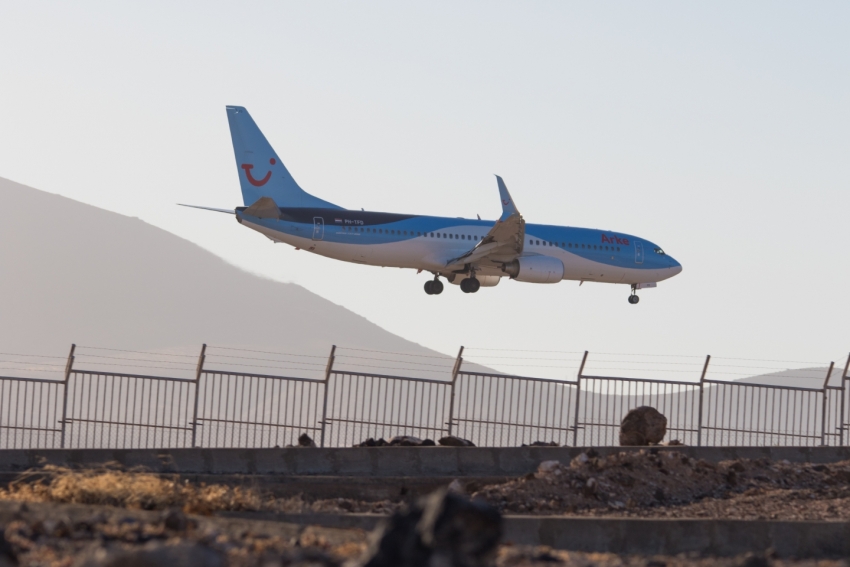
<point x="261" y="173"/>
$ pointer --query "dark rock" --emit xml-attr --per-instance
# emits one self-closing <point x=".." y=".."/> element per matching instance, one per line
<point x="428" y="443"/>
<point x="755" y="560"/>
<point x="440" y="529"/>
<point x="370" y="442"/>
<point x="452" y="441"/>
<point x="175" y="520"/>
<point x="542" y="444"/>
<point x="643" y="426"/>
<point x="305" y="441"/>
<point x="405" y="441"/>
<point x="7" y="553"/>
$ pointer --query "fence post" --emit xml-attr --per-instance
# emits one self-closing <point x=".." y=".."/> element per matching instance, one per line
<point x="198" y="372"/>
<point x="823" y="409"/>
<point x="455" y="372"/>
<point x="69" y="365"/>
<point x="844" y="379"/>
<point x="578" y="398"/>
<point x="328" y="370"/>
<point x="701" y="387"/>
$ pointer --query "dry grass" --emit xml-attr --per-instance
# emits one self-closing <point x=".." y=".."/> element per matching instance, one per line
<point x="110" y="485"/>
<point x="131" y="489"/>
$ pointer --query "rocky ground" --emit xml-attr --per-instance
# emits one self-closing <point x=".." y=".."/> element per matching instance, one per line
<point x="647" y="483"/>
<point x="540" y="557"/>
<point x="55" y="535"/>
<point x="653" y="483"/>
<point x="108" y="516"/>
<point x="62" y="535"/>
<point x="67" y="535"/>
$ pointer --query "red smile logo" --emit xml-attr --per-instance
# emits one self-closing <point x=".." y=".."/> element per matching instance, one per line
<point x="257" y="182"/>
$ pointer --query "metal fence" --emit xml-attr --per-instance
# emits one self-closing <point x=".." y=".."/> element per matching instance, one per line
<point x="341" y="408"/>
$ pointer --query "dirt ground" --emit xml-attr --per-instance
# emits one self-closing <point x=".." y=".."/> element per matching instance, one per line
<point x="653" y="483"/>
<point x="61" y="535"/>
<point x="541" y="556"/>
<point x="648" y="483"/>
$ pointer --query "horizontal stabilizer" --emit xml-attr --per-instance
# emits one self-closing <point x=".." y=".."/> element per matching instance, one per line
<point x="229" y="211"/>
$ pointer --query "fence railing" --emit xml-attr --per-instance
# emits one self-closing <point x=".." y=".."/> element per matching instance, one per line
<point x="227" y="408"/>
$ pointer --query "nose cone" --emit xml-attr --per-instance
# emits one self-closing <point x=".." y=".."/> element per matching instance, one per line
<point x="675" y="267"/>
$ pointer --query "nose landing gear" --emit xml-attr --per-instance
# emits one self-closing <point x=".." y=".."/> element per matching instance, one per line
<point x="633" y="298"/>
<point x="434" y="287"/>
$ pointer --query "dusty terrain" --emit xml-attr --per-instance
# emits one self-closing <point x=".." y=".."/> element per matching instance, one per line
<point x="629" y="484"/>
<point x="111" y="516"/>
<point x="66" y="535"/>
<point x="60" y="535"/>
<point x="669" y="484"/>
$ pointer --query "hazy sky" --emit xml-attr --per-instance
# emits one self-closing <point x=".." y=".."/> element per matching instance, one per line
<point x="720" y="130"/>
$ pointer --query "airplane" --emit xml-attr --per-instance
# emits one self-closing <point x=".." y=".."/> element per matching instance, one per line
<point x="471" y="253"/>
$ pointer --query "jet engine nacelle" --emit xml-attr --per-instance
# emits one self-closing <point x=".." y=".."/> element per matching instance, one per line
<point x="485" y="281"/>
<point x="535" y="269"/>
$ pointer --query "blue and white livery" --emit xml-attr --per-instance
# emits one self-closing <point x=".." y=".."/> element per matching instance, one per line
<point x="471" y="253"/>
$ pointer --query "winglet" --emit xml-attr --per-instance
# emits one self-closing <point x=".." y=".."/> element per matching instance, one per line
<point x="508" y="207"/>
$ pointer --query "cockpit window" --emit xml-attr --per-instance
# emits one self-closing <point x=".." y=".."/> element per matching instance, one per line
<point x="659" y="251"/>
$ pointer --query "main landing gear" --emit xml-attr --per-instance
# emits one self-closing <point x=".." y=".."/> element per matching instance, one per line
<point x="434" y="287"/>
<point x="633" y="298"/>
<point x="470" y="285"/>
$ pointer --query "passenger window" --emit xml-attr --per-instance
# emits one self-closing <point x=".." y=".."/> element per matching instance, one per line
<point x="538" y="243"/>
<point x="531" y="242"/>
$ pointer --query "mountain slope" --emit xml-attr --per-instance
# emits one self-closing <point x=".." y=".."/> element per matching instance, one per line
<point x="71" y="272"/>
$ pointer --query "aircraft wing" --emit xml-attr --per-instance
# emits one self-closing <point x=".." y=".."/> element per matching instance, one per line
<point x="505" y="240"/>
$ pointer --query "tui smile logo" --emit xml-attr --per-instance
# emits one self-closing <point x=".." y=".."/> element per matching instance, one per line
<point x="257" y="182"/>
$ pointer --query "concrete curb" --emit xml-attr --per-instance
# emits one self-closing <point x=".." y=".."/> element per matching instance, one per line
<point x="636" y="536"/>
<point x="377" y="462"/>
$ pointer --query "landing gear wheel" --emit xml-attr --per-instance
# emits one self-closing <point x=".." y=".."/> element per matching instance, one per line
<point x="470" y="285"/>
<point x="633" y="299"/>
<point x="436" y="287"/>
<point x="429" y="287"/>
